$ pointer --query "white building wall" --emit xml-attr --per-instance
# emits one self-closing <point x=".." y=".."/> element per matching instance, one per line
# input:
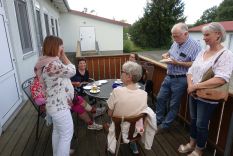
<point x="109" y="36"/>
<point x="199" y="37"/>
<point x="47" y="7"/>
<point x="25" y="62"/>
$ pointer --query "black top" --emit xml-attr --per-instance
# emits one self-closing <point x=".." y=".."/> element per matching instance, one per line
<point x="78" y="77"/>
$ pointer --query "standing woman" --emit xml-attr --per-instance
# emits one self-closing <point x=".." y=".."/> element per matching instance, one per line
<point x="200" y="109"/>
<point x="54" y="70"/>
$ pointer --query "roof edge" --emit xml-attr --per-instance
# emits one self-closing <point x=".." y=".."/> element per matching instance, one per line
<point x="99" y="18"/>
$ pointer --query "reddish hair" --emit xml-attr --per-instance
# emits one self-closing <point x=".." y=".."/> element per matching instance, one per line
<point x="51" y="45"/>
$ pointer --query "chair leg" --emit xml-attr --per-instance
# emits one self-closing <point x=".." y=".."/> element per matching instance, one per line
<point x="37" y="126"/>
<point x="118" y="144"/>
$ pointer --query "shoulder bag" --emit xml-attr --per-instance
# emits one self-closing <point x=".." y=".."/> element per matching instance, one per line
<point x="219" y="93"/>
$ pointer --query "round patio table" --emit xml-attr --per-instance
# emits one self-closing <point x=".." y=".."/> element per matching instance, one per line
<point x="105" y="89"/>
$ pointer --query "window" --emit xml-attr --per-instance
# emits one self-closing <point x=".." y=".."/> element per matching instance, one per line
<point x="39" y="26"/>
<point x="56" y="27"/>
<point x="52" y="26"/>
<point x="46" y="19"/>
<point x="23" y="24"/>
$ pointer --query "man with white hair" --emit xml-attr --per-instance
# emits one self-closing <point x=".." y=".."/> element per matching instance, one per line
<point x="179" y="58"/>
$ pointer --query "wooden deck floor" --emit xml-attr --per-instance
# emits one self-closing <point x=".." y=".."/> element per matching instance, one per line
<point x="19" y="139"/>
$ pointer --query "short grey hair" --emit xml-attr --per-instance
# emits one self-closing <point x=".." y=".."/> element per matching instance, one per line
<point x="216" y="27"/>
<point x="133" y="69"/>
<point x="181" y="27"/>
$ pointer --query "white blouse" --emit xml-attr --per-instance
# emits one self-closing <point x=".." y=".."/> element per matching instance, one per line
<point x="59" y="89"/>
<point x="222" y="68"/>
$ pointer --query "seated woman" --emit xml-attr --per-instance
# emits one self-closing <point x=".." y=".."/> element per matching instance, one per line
<point x="81" y="77"/>
<point x="81" y="107"/>
<point x="128" y="100"/>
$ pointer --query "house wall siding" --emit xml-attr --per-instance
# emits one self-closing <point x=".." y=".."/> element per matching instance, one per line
<point x="199" y="37"/>
<point x="109" y="36"/>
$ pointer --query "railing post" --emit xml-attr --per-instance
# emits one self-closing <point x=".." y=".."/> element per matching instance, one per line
<point x="229" y="142"/>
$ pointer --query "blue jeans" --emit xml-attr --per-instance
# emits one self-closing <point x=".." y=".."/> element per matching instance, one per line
<point x="200" y="114"/>
<point x="171" y="90"/>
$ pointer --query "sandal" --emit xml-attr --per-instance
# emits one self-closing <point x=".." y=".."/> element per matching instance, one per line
<point x="194" y="153"/>
<point x="185" y="148"/>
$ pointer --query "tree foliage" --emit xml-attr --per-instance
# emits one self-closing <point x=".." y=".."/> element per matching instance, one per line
<point x="222" y="13"/>
<point x="208" y="16"/>
<point x="225" y="11"/>
<point x="153" y="29"/>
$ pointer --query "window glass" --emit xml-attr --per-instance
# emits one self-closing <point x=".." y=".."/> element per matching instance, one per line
<point x="46" y="19"/>
<point x="39" y="26"/>
<point x="53" y="27"/>
<point x="23" y="24"/>
<point x="56" y="24"/>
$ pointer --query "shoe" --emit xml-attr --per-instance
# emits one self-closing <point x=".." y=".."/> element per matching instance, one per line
<point x="195" y="153"/>
<point x="185" y="148"/>
<point x="95" y="126"/>
<point x="133" y="147"/>
<point x="99" y="111"/>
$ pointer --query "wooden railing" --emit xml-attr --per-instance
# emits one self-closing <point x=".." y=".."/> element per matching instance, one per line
<point x="109" y="67"/>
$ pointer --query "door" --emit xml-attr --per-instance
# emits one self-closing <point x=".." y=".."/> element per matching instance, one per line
<point x="87" y="38"/>
<point x="9" y="87"/>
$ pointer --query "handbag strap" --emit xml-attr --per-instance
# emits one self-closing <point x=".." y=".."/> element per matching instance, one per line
<point x="218" y="57"/>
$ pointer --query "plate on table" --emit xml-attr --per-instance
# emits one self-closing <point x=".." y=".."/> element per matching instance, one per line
<point x="103" y="81"/>
<point x="94" y="91"/>
<point x="138" y="86"/>
<point x="166" y="60"/>
<point x="87" y="87"/>
<point x="118" y="81"/>
<point x="97" y="83"/>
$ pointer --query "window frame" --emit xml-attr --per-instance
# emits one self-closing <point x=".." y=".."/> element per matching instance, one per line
<point x="25" y="36"/>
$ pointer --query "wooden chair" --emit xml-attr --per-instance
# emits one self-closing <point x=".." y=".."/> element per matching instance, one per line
<point x="26" y="88"/>
<point x="132" y="120"/>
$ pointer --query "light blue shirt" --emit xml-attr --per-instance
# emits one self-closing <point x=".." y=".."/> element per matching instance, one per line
<point x="186" y="52"/>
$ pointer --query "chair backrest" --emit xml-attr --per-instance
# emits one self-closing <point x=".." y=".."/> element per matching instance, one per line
<point x="132" y="120"/>
<point x="26" y="88"/>
<point x="150" y="70"/>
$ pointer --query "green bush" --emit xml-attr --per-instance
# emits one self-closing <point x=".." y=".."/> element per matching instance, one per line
<point x="128" y="46"/>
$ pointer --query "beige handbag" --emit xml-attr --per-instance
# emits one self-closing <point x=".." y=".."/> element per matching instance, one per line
<point x="219" y="93"/>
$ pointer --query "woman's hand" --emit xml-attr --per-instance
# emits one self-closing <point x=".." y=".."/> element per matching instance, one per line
<point x="83" y="83"/>
<point x="76" y="84"/>
<point x="192" y="88"/>
<point x="70" y="102"/>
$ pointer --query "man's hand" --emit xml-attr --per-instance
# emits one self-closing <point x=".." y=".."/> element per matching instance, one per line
<point x="175" y="62"/>
<point x="165" y="56"/>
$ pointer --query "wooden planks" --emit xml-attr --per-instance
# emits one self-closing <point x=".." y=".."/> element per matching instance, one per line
<point x="19" y="139"/>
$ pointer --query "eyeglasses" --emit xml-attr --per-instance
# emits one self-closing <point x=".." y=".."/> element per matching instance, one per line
<point x="122" y="71"/>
